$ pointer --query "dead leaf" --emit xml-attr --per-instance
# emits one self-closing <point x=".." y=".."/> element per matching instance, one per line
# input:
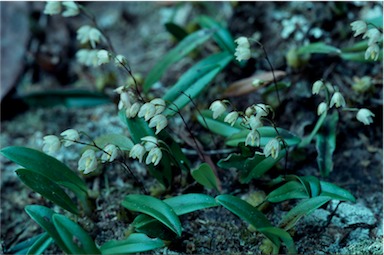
<point x="246" y="86"/>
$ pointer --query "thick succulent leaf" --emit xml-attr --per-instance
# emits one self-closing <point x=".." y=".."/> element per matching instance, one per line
<point x="135" y="243"/>
<point x="43" y="216"/>
<point x="46" y="165"/>
<point x="75" y="238"/>
<point x="266" y="134"/>
<point x="194" y="81"/>
<point x="47" y="188"/>
<point x="218" y="126"/>
<point x="221" y="35"/>
<point x="188" y="44"/>
<point x="289" y="190"/>
<point x="40" y="245"/>
<point x="155" y="208"/>
<point x="318" y="47"/>
<point x="69" y="98"/>
<point x="326" y="144"/>
<point x="305" y="207"/>
<point x="282" y="235"/>
<point x="335" y="192"/>
<point x="205" y="176"/>
<point x="257" y="166"/>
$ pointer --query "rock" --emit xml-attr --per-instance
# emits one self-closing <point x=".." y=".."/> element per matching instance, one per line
<point x="352" y="214"/>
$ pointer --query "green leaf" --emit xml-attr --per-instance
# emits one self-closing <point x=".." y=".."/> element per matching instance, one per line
<point x="306" y="140"/>
<point x="75" y="238"/>
<point x="313" y="185"/>
<point x="318" y="47"/>
<point x="283" y="235"/>
<point x="326" y="144"/>
<point x="188" y="44"/>
<point x="266" y="134"/>
<point x="257" y="166"/>
<point x="178" y="32"/>
<point x="218" y="126"/>
<point x="24" y="246"/>
<point x="135" y="243"/>
<point x="40" y="245"/>
<point x="305" y="207"/>
<point x="222" y="35"/>
<point x="155" y="208"/>
<point x="195" y="80"/>
<point x="289" y="190"/>
<point x="359" y="57"/>
<point x="121" y="141"/>
<point x="205" y="176"/>
<point x="43" y="216"/>
<point x="46" y="165"/>
<point x="335" y="192"/>
<point x="181" y="205"/>
<point x="47" y="188"/>
<point x="69" y="98"/>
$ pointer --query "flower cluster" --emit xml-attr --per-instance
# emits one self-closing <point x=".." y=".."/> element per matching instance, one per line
<point x="252" y="119"/>
<point x="150" y="111"/>
<point x="55" y="7"/>
<point x="337" y="99"/>
<point x="243" y="51"/>
<point x="374" y="38"/>
<point x="149" y="144"/>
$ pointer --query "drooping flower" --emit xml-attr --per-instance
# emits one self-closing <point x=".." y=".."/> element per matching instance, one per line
<point x="243" y="51"/>
<point x="262" y="110"/>
<point x="159" y="121"/>
<point x="159" y="105"/>
<point x="89" y="34"/>
<point x="138" y="152"/>
<point x="125" y="101"/>
<point x="51" y="144"/>
<point x="103" y="57"/>
<point x="253" y="138"/>
<point x="110" y="153"/>
<point x="154" y="156"/>
<point x="87" y="57"/>
<point x="338" y="100"/>
<point x="147" y="110"/>
<point x="372" y="52"/>
<point x="218" y="108"/>
<point x="231" y="118"/>
<point x="321" y="108"/>
<point x="254" y="122"/>
<point x="132" y="111"/>
<point x="272" y="148"/>
<point x="120" y="60"/>
<point x="317" y="86"/>
<point x="365" y="116"/>
<point x="359" y="26"/>
<point x="88" y="162"/>
<point x="149" y="142"/>
<point x="71" y="9"/>
<point x="70" y="135"/>
<point x="374" y="36"/>
<point x="52" y="7"/>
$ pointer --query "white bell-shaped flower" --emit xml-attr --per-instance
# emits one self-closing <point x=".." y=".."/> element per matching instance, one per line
<point x="154" y="156"/>
<point x="159" y="105"/>
<point x="120" y="60"/>
<point x="71" y="9"/>
<point x="89" y="34"/>
<point x="321" y="108"/>
<point x="365" y="116"/>
<point x="138" y="152"/>
<point x="316" y="87"/>
<point x="51" y="144"/>
<point x="132" y="111"/>
<point x="110" y="153"/>
<point x="88" y="162"/>
<point x="218" y="108"/>
<point x="103" y="57"/>
<point x="372" y="52"/>
<point x="70" y="136"/>
<point x="149" y="142"/>
<point x="243" y="51"/>
<point x="359" y="26"/>
<point x="338" y="100"/>
<point x="158" y="121"/>
<point x="147" y="110"/>
<point x="253" y="138"/>
<point x="374" y="36"/>
<point x="231" y="118"/>
<point x="272" y="148"/>
<point x="52" y="7"/>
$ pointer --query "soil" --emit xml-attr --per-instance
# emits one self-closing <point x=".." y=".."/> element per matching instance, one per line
<point x="136" y="31"/>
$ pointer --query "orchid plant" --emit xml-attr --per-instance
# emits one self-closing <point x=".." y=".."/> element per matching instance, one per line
<point x="257" y="143"/>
